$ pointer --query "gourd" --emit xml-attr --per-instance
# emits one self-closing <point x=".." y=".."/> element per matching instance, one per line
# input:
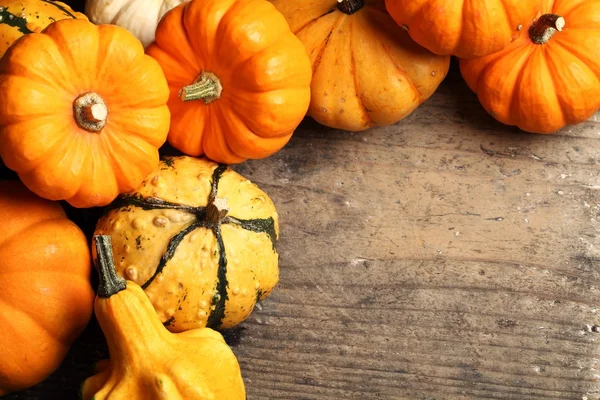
<point x="20" y="17"/>
<point x="46" y="298"/>
<point x="200" y="239"/>
<point x="367" y="71"/>
<point x="83" y="112"/>
<point x="239" y="78"/>
<point x="146" y="360"/>
<point x="463" y="28"/>
<point x="140" y="17"/>
<point x="550" y="76"/>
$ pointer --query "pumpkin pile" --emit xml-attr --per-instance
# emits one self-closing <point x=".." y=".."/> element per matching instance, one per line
<point x="186" y="246"/>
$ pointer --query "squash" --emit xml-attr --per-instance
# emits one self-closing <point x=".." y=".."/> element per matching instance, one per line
<point x="146" y="360"/>
<point x="548" y="78"/>
<point x="200" y="239"/>
<point x="140" y="17"/>
<point x="239" y="79"/>
<point x="83" y="112"/>
<point x="46" y="298"/>
<point x="20" y="17"/>
<point x="463" y="28"/>
<point x="367" y="71"/>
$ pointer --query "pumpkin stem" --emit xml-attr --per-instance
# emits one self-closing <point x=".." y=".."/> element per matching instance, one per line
<point x="350" y="6"/>
<point x="110" y="283"/>
<point x="545" y="27"/>
<point x="216" y="210"/>
<point x="90" y="112"/>
<point x="207" y="87"/>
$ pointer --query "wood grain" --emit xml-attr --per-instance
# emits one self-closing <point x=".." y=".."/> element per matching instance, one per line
<point x="445" y="257"/>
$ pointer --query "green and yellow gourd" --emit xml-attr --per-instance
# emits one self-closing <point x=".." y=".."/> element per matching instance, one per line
<point x="200" y="239"/>
<point x="20" y="17"/>
<point x="146" y="360"/>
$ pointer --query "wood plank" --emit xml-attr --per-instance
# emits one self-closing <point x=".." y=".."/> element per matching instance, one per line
<point x="445" y="257"/>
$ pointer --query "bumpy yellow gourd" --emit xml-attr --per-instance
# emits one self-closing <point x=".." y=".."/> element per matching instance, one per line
<point x="146" y="360"/>
<point x="200" y="239"/>
<point x="20" y="17"/>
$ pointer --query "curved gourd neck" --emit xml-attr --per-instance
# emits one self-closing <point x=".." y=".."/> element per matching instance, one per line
<point x="124" y="311"/>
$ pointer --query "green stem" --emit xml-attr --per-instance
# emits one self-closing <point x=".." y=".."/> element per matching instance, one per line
<point x="207" y="87"/>
<point x="350" y="6"/>
<point x="110" y="283"/>
<point x="545" y="27"/>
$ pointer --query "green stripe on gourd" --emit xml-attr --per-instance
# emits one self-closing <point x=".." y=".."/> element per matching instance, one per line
<point x="60" y="7"/>
<point x="10" y="19"/>
<point x="210" y="217"/>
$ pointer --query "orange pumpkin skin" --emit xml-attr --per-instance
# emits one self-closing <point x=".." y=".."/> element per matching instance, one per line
<point x="83" y="112"/>
<point x="256" y="86"/>
<point x="463" y="28"/>
<point x="367" y="71"/>
<point x="46" y="298"/>
<point x="542" y="87"/>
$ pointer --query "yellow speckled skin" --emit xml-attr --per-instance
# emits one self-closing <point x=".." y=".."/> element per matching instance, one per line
<point x="186" y="292"/>
<point x="19" y="17"/>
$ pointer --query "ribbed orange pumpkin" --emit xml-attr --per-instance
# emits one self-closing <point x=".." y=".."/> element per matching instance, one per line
<point x="463" y="28"/>
<point x="83" y="112"/>
<point x="239" y="78"/>
<point x="550" y="76"/>
<point x="46" y="298"/>
<point x="367" y="71"/>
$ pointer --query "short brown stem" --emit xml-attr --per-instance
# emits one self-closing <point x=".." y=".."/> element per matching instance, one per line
<point x="350" y="6"/>
<point x="110" y="283"/>
<point x="216" y="210"/>
<point x="207" y="87"/>
<point x="545" y="27"/>
<point x="90" y="112"/>
<point x="95" y="112"/>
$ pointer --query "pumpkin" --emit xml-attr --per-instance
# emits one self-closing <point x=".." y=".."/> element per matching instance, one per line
<point x="200" y="239"/>
<point x="46" y="298"/>
<point x="548" y="78"/>
<point x="239" y="78"/>
<point x="140" y="17"/>
<point x="463" y="28"/>
<point x="83" y="112"/>
<point x="20" y="17"/>
<point x="367" y="71"/>
<point x="146" y="360"/>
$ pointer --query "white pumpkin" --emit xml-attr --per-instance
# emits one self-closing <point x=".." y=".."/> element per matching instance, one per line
<point x="139" y="17"/>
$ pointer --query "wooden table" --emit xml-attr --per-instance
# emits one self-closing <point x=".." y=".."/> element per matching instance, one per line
<point x="444" y="257"/>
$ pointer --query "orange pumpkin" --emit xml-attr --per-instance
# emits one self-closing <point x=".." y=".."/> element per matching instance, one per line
<point x="239" y="79"/>
<point x="367" y="71"/>
<point x="83" y="112"/>
<point x="46" y="298"/>
<point x="548" y="78"/>
<point x="463" y="28"/>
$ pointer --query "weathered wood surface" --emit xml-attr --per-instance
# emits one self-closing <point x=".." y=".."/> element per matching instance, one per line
<point x="445" y="257"/>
